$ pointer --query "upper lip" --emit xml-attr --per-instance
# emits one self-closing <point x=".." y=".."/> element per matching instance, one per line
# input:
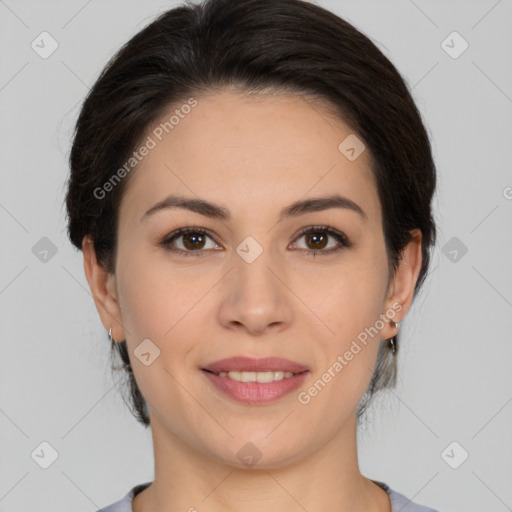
<point x="248" y="364"/>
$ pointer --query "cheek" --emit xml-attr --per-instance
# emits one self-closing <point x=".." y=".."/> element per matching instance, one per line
<point x="345" y="360"/>
<point x="155" y="297"/>
<point x="352" y="298"/>
<point x="351" y="305"/>
<point x="160" y="305"/>
<point x="167" y="306"/>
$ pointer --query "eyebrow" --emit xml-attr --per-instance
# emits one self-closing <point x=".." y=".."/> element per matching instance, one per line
<point x="216" y="211"/>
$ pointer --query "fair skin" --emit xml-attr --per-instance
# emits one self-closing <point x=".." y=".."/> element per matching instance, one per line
<point x="252" y="157"/>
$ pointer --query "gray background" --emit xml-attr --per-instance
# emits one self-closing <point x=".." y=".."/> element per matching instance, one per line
<point x="455" y="383"/>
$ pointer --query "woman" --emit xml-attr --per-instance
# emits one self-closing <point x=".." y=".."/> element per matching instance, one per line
<point x="251" y="188"/>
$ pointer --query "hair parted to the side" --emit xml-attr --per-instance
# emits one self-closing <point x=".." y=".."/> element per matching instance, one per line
<point x="287" y="46"/>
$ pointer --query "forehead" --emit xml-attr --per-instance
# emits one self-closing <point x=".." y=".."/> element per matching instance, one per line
<point x="249" y="151"/>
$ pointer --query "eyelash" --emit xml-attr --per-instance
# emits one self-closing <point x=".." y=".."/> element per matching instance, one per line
<point x="338" y="236"/>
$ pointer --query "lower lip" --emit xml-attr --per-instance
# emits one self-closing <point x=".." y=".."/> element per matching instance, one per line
<point x="256" y="392"/>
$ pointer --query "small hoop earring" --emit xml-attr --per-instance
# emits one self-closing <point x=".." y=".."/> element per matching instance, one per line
<point x="110" y="336"/>
<point x="392" y="341"/>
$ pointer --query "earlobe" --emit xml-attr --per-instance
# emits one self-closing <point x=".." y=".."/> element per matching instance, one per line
<point x="401" y="290"/>
<point x="102" y="285"/>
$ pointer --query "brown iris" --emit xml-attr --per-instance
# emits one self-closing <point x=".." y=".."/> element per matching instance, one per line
<point x="196" y="239"/>
<point x="316" y="238"/>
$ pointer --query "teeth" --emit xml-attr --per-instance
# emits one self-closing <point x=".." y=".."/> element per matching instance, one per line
<point x="257" y="376"/>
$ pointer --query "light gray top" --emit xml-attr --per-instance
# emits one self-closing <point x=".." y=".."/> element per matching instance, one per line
<point x="399" y="503"/>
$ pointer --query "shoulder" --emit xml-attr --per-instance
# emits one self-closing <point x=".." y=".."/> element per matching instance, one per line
<point x="400" y="503"/>
<point x="125" y="503"/>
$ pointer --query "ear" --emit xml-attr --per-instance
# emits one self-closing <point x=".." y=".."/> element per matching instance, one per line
<point x="103" y="288"/>
<point x="401" y="287"/>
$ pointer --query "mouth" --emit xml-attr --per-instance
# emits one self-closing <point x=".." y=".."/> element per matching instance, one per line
<point x="255" y="381"/>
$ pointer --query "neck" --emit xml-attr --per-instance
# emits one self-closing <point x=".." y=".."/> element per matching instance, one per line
<point x="327" y="478"/>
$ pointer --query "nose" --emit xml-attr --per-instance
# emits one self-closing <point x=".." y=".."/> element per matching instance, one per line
<point x="255" y="298"/>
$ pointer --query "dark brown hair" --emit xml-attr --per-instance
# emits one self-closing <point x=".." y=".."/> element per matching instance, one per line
<point x="253" y="45"/>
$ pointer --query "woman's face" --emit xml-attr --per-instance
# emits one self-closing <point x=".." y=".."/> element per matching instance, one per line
<point x="247" y="286"/>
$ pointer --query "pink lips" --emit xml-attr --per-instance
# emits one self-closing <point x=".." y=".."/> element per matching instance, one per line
<point x="255" y="392"/>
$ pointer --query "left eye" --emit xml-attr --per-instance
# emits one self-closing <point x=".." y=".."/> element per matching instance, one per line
<point x="318" y="236"/>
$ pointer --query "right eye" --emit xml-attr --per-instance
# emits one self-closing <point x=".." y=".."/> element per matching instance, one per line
<point x="194" y="240"/>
